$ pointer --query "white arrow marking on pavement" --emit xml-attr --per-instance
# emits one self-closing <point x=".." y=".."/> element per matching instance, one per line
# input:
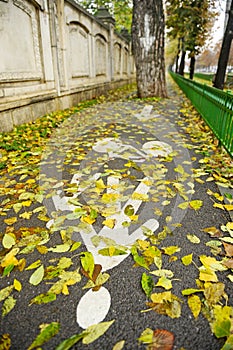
<point x="157" y="148"/>
<point x="146" y="113"/>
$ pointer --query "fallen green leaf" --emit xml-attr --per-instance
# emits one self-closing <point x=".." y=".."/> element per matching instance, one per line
<point x="187" y="259"/>
<point x="37" y="276"/>
<point x="47" y="332"/>
<point x="87" y="262"/>
<point x="147" y="284"/>
<point x="94" y="332"/>
<point x="8" y="305"/>
<point x="193" y="238"/>
<point x="43" y="298"/>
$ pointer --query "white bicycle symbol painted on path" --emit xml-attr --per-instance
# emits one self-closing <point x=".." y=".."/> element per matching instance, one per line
<point x="94" y="305"/>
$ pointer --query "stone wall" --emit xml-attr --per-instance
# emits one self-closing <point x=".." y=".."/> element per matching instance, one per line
<point x="53" y="55"/>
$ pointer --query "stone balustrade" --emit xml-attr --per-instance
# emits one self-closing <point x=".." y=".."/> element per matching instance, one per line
<point x="55" y="54"/>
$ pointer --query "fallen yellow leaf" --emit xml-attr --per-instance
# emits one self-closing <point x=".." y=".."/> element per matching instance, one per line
<point x="10" y="258"/>
<point x="140" y="196"/>
<point x="87" y="219"/>
<point x="194" y="302"/>
<point x="217" y="205"/>
<point x="26" y="215"/>
<point x="228" y="207"/>
<point x="229" y="225"/>
<point x="10" y="221"/>
<point x="109" y="223"/>
<point x="17" y="285"/>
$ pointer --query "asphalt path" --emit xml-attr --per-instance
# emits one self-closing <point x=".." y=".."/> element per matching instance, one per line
<point x="130" y="148"/>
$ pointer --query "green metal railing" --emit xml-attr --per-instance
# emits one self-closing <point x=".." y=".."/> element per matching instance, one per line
<point x="210" y="77"/>
<point x="203" y="76"/>
<point x="214" y="105"/>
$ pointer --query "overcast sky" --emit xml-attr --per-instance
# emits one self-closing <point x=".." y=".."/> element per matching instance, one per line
<point x="219" y="23"/>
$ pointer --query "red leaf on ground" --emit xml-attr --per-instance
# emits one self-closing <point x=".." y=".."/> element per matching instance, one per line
<point x="228" y="248"/>
<point x="228" y="263"/>
<point x="95" y="274"/>
<point x="162" y="340"/>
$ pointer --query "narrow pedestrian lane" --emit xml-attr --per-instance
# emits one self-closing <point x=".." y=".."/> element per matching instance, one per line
<point x="137" y="238"/>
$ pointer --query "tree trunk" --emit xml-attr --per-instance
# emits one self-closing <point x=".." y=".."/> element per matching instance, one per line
<point x="182" y="63"/>
<point x="182" y="60"/>
<point x="192" y="66"/>
<point x="177" y="62"/>
<point x="148" y="47"/>
<point x="224" y="53"/>
<point x="178" y="56"/>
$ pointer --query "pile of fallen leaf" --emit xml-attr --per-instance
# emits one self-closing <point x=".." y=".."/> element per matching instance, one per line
<point x="22" y="196"/>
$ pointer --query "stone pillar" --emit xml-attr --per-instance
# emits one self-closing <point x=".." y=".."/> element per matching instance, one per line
<point x="56" y="9"/>
<point x="46" y="44"/>
<point x="105" y="17"/>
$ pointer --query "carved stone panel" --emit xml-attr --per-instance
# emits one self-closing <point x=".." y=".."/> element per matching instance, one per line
<point x="101" y="55"/>
<point x="79" y="50"/>
<point x="125" y="61"/>
<point x="117" y="59"/>
<point x="19" y="41"/>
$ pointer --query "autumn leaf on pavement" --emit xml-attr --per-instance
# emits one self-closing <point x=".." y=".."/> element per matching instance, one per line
<point x="160" y="339"/>
<point x="214" y="292"/>
<point x="10" y="259"/>
<point x="8" y="241"/>
<point x="196" y="204"/>
<point x="109" y="223"/>
<point x="228" y="249"/>
<point x="111" y="251"/>
<point x="194" y="302"/>
<point x="165" y="303"/>
<point x="10" y="221"/>
<point x="147" y="284"/>
<point x="190" y="291"/>
<point x="96" y="272"/>
<point x="228" y="263"/>
<point x="8" y="305"/>
<point x="66" y="278"/>
<point x="146" y="336"/>
<point x="164" y="282"/>
<point x="129" y="210"/>
<point x="228" y="207"/>
<point x="193" y="238"/>
<point x="37" y="276"/>
<point x="221" y="326"/>
<point x="43" y="298"/>
<point x="119" y="345"/>
<point x="87" y="262"/>
<point x="170" y="250"/>
<point x="17" y="285"/>
<point x="96" y="331"/>
<point x="187" y="259"/>
<point x="5" y="342"/>
<point x="88" y="336"/>
<point x="47" y="332"/>
<point x="207" y="275"/>
<point x="213" y="231"/>
<point x="229" y="343"/>
<point x="139" y="260"/>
